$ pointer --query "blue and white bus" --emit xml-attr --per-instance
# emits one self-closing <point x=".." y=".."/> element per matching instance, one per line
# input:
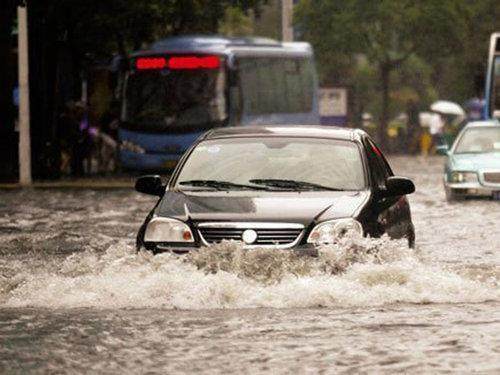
<point x="492" y="97"/>
<point x="183" y="86"/>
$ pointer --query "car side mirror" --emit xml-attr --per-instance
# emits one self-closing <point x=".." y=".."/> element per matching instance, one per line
<point x="442" y="149"/>
<point x="396" y="186"/>
<point x="151" y="185"/>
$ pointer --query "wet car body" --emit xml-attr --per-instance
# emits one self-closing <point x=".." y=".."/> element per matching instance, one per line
<point x="281" y="219"/>
<point x="472" y="174"/>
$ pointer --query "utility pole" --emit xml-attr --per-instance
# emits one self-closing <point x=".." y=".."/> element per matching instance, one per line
<point x="286" y="20"/>
<point x="24" y="98"/>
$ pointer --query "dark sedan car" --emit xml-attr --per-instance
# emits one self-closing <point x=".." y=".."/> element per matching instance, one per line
<point x="276" y="187"/>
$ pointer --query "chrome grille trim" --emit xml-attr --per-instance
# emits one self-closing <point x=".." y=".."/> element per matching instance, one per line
<point x="276" y="235"/>
<point x="251" y="225"/>
<point x="490" y="178"/>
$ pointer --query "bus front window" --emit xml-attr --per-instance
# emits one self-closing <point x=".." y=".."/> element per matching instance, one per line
<point x="175" y="100"/>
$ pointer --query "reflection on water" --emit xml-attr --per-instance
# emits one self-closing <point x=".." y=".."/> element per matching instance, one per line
<point x="75" y="295"/>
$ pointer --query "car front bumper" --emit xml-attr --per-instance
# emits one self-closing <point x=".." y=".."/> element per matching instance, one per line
<point x="305" y="249"/>
<point x="472" y="189"/>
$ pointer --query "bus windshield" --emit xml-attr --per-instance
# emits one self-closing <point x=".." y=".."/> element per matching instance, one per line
<point x="175" y="100"/>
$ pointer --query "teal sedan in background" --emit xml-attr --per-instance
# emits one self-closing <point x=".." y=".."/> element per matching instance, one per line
<point x="472" y="167"/>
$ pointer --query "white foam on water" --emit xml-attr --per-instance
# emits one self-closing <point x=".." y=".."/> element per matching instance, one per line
<point x="357" y="272"/>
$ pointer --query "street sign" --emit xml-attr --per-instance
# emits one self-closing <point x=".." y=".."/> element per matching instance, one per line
<point x="333" y="108"/>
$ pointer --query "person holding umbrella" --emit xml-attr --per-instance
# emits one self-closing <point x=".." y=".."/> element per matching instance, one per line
<point x="436" y="129"/>
<point x="437" y="123"/>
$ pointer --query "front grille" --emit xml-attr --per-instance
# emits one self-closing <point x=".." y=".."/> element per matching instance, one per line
<point x="274" y="234"/>
<point x="491" y="177"/>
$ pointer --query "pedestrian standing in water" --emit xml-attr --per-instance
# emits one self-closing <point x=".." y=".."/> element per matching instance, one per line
<point x="83" y="142"/>
<point x="107" y="139"/>
<point x="412" y="128"/>
<point x="68" y="134"/>
<point x="436" y="129"/>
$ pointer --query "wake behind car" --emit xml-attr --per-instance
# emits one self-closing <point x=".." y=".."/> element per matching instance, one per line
<point x="276" y="187"/>
<point x="472" y="167"/>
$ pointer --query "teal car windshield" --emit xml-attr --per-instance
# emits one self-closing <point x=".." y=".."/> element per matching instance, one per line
<point x="479" y="140"/>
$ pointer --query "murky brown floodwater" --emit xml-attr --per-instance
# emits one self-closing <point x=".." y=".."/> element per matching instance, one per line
<point x="74" y="296"/>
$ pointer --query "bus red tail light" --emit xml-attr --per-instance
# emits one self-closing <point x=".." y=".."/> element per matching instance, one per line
<point x="194" y="62"/>
<point x="145" y="63"/>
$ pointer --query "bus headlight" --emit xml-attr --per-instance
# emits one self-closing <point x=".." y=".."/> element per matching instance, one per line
<point x="332" y="230"/>
<point x="162" y="229"/>
<point x="464" y="177"/>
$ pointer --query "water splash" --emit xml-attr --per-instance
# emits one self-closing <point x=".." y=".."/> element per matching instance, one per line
<point x="354" y="272"/>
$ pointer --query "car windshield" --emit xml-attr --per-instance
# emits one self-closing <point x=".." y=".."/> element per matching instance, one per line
<point x="274" y="163"/>
<point x="479" y="140"/>
<point x="161" y="100"/>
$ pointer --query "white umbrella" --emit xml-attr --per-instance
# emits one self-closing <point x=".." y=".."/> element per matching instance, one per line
<point x="447" y="108"/>
<point x="425" y="118"/>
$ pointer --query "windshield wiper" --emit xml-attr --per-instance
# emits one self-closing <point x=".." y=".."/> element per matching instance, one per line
<point x="221" y="185"/>
<point x="292" y="184"/>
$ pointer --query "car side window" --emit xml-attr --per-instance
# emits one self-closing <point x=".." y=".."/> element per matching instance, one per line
<point x="380" y="169"/>
<point x="385" y="165"/>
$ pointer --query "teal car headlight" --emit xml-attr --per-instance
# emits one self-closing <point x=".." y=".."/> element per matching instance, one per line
<point x="463" y="177"/>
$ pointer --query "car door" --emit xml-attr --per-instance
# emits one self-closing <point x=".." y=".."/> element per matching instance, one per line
<point x="389" y="215"/>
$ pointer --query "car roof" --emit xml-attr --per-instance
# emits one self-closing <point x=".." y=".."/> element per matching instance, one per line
<point x="313" y="131"/>
<point x="481" y="124"/>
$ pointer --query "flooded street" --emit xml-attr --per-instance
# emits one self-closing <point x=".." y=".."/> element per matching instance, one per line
<point x="75" y="297"/>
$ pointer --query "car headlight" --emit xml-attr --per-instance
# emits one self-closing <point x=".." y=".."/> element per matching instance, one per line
<point x="463" y="177"/>
<point x="332" y="230"/>
<point x="162" y="229"/>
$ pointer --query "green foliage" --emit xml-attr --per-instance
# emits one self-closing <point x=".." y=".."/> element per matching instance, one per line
<point x="268" y="22"/>
<point x="102" y="27"/>
<point x="384" y="31"/>
<point x="236" y="23"/>
<point x="422" y="49"/>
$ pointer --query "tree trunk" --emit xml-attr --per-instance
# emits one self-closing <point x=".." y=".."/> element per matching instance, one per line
<point x="385" y="72"/>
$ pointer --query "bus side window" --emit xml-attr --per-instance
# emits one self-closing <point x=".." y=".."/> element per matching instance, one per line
<point x="276" y="85"/>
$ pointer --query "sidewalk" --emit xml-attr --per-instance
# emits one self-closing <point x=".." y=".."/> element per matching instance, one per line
<point x="78" y="183"/>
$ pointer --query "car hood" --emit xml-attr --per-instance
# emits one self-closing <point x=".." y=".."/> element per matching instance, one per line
<point x="301" y="207"/>
<point x="474" y="162"/>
